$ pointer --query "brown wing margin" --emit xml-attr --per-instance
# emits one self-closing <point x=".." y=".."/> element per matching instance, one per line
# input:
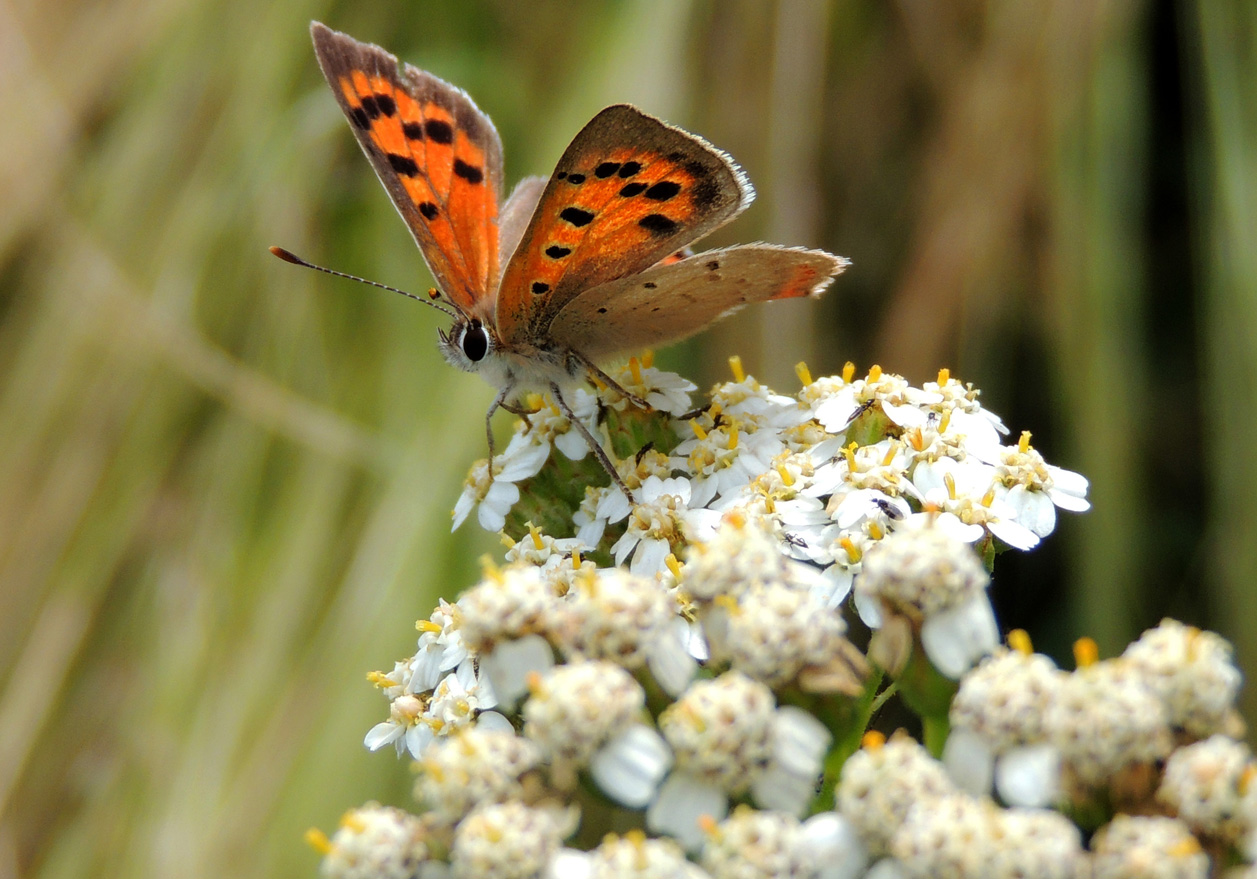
<point x="438" y="156"/>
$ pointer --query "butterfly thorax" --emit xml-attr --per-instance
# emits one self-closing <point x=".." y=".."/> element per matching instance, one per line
<point x="473" y="346"/>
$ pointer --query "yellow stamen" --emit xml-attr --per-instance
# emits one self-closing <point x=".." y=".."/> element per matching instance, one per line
<point x="490" y="570"/>
<point x="916" y="439"/>
<point x="674" y="565"/>
<point x="849" y="452"/>
<point x="1023" y="444"/>
<point x="848" y="372"/>
<point x="351" y="821"/>
<point x="506" y="540"/>
<point x="875" y="373"/>
<point x="1246" y="779"/>
<point x="944" y="375"/>
<point x="944" y="421"/>
<point x="698" y="429"/>
<point x="988" y="498"/>
<point x="804" y="374"/>
<point x="735" y="364"/>
<point x="1086" y="652"/>
<point x="534" y="401"/>
<point x="872" y="740"/>
<point x="533" y="681"/>
<point x="1019" y="640"/>
<point x="318" y="841"/>
<point x="379" y="679"/>
<point x="427" y="626"/>
<point x="950" y="482"/>
<point x="537" y="542"/>
<point x="875" y="531"/>
<point x="708" y="825"/>
<point x="576" y="560"/>
<point x="891" y="451"/>
<point x="635" y="369"/>
<point x="769" y="506"/>
<point x="1185" y="848"/>
<point x="787" y="477"/>
<point x="648" y="358"/>
<point x="733" y="435"/>
<point x="854" y="553"/>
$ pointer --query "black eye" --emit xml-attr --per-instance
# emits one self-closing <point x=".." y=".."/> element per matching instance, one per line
<point x="475" y="342"/>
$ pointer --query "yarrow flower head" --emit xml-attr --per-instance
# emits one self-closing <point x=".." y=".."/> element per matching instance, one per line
<point x="681" y="661"/>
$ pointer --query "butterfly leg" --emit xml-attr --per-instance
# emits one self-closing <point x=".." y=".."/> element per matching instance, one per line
<point x="499" y="402"/>
<point x="594" y="445"/>
<point x="614" y="385"/>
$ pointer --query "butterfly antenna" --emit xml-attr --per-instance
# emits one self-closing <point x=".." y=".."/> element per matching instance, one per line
<point x="430" y="299"/>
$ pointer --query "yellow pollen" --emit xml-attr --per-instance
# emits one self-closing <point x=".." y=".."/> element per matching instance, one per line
<point x="854" y="552"/>
<point x="576" y="560"/>
<point x="708" y="825"/>
<point x="849" y="451"/>
<point x="1186" y="848"/>
<point x="1019" y="640"/>
<point x="1023" y="444"/>
<point x="673" y="565"/>
<point x="729" y="603"/>
<point x="786" y="476"/>
<point x="635" y="369"/>
<point x="351" y="821"/>
<point x="490" y="570"/>
<point x="875" y="531"/>
<point x="769" y="506"/>
<point x="537" y="543"/>
<point x="1246" y="779"/>
<point x="875" y="373"/>
<point x="944" y="421"/>
<point x="804" y="374"/>
<point x="988" y="498"/>
<point x="379" y="679"/>
<point x="944" y="375"/>
<point x="950" y="482"/>
<point x="533" y="682"/>
<point x="891" y="451"/>
<point x="318" y="841"/>
<point x="505" y="539"/>
<point x="848" y="372"/>
<point x="872" y="740"/>
<point x="648" y="358"/>
<point x="735" y="365"/>
<point x="1086" y="652"/>
<point x="534" y="401"/>
<point x="734" y="518"/>
<point x="698" y="429"/>
<point x="916" y="439"/>
<point x="427" y="626"/>
<point x="733" y="435"/>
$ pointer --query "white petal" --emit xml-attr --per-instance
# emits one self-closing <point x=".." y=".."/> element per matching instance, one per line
<point x="649" y="558"/>
<point x="682" y="801"/>
<point x="507" y="666"/>
<point x="1029" y="776"/>
<point x="954" y="638"/>
<point x="522" y="462"/>
<point x="1067" y="501"/>
<point x="1014" y="534"/>
<point x="630" y="766"/>
<point x="1068" y="481"/>
<point x="833" y="847"/>
<point x="669" y="660"/>
<point x="494" y="722"/>
<point x="969" y="761"/>
<point x="1033" y="509"/>
<point x="572" y="444"/>
<point x="383" y="734"/>
<point x="570" y="863"/>
<point x="496" y="504"/>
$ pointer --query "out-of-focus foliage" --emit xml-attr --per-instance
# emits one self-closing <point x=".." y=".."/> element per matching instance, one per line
<point x="224" y="481"/>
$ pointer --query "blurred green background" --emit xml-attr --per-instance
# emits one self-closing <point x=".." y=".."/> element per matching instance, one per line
<point x="225" y="483"/>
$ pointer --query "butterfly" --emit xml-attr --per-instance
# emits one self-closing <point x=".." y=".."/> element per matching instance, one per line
<point x="568" y="271"/>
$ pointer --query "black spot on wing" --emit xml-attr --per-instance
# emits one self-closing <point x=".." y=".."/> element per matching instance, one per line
<point x="576" y="216"/>
<point x="403" y="165"/>
<point x="650" y="285"/>
<point x="439" y="131"/>
<point x="429" y="210"/>
<point x="663" y="190"/>
<point x="539" y="288"/>
<point x="470" y="173"/>
<point x="360" y="118"/>
<point x="631" y="189"/>
<point x="370" y="107"/>
<point x="658" y="224"/>
<point x="713" y="265"/>
<point x="628" y="169"/>
<point x="413" y="130"/>
<point x="554" y="251"/>
<point x="602" y="310"/>
<point x="386" y="104"/>
<point x="705" y="193"/>
<point x="576" y="179"/>
<point x="606" y="169"/>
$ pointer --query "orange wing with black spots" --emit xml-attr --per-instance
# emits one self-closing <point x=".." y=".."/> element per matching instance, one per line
<point x="438" y="156"/>
<point x="629" y="191"/>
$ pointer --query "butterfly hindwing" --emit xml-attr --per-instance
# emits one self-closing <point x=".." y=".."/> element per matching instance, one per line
<point x="628" y="191"/>
<point x="670" y="302"/>
<point x="438" y="156"/>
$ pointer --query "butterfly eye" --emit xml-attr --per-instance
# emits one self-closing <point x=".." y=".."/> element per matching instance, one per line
<point x="475" y="341"/>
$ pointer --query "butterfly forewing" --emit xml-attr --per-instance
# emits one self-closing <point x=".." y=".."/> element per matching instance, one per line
<point x="670" y="302"/>
<point x="438" y="156"/>
<point x="628" y="191"/>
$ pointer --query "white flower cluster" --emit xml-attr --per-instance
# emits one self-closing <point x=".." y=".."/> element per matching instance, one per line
<point x="681" y="663"/>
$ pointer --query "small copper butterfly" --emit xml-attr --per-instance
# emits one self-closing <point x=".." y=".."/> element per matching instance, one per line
<point x="571" y="270"/>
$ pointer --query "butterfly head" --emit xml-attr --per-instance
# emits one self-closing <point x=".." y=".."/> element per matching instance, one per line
<point x="468" y="344"/>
